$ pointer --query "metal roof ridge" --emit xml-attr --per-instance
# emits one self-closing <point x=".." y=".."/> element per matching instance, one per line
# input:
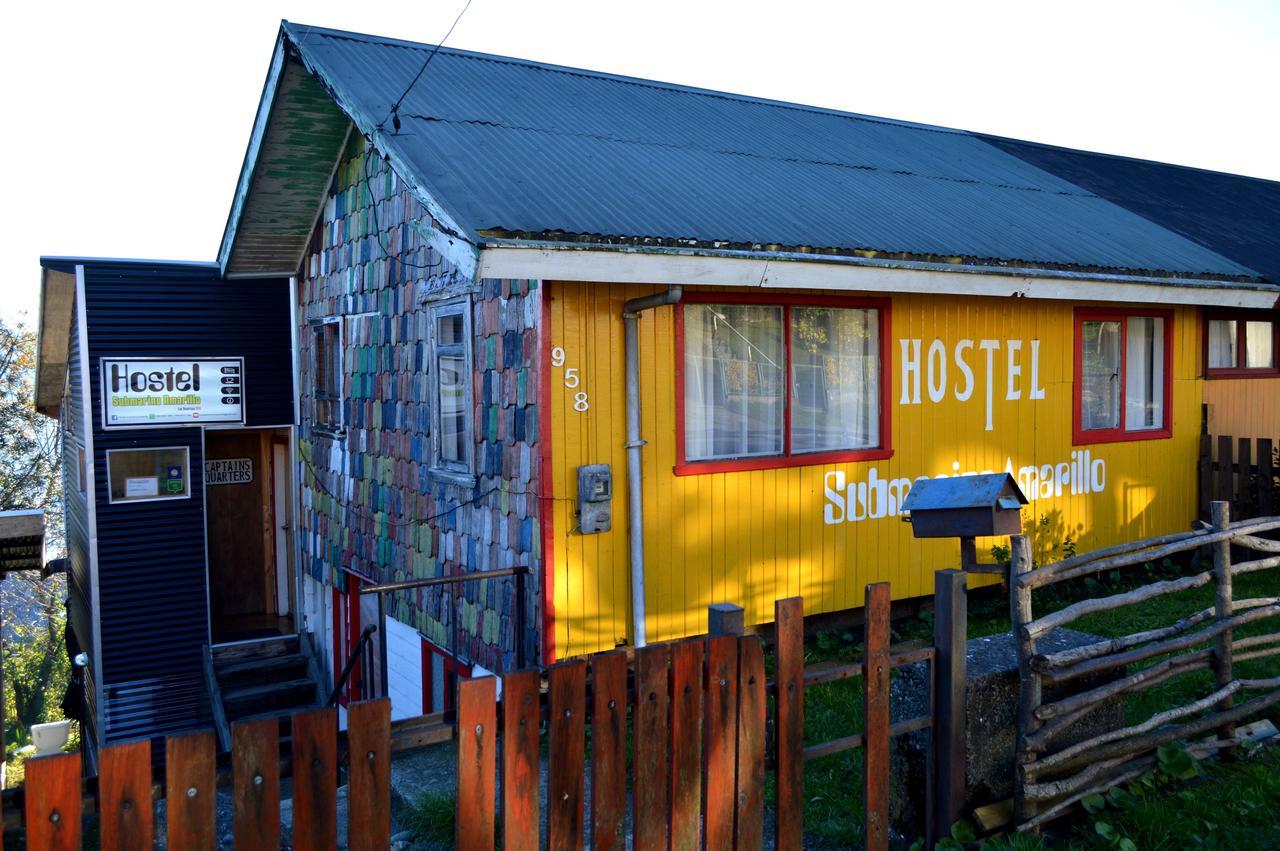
<point x="121" y="261"/>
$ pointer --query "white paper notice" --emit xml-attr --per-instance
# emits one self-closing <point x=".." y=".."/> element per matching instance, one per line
<point x="148" y="486"/>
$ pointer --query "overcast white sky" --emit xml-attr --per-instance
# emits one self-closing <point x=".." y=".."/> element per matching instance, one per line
<point x="126" y="123"/>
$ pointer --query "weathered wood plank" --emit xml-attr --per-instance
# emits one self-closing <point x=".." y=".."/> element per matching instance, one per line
<point x="52" y="786"/>
<point x="567" y="742"/>
<point x="369" y="775"/>
<point x="255" y="784"/>
<point x="1029" y="690"/>
<point x="315" y="779"/>
<point x="609" y="750"/>
<point x="1225" y="481"/>
<point x="950" y="641"/>
<point x="789" y="722"/>
<point x="686" y="744"/>
<point x="752" y="711"/>
<point x="651" y="735"/>
<point x="521" y="710"/>
<point x="875" y="703"/>
<point x="1244" y="462"/>
<point x="720" y="741"/>
<point x="1205" y="475"/>
<point x="1266" y="477"/>
<point x="477" y="763"/>
<point x="191" y="779"/>
<point x="125" y="812"/>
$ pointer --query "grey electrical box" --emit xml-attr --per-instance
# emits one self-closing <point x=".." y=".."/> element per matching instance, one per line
<point x="595" y="498"/>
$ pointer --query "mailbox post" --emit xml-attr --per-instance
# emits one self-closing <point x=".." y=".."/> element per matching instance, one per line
<point x="966" y="507"/>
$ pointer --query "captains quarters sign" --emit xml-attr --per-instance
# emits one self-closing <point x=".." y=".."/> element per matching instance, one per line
<point x="143" y="392"/>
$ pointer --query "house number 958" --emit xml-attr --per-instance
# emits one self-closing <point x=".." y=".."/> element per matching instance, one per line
<point x="581" y="402"/>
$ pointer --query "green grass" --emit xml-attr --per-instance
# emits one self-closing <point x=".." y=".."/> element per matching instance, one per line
<point x="431" y="818"/>
<point x="833" y="785"/>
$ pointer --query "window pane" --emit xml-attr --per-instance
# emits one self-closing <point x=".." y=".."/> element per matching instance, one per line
<point x="1222" y="343"/>
<point x="733" y="382"/>
<point x="453" y="405"/>
<point x="1100" y="383"/>
<point x="1144" y="373"/>
<point x="835" y="373"/>
<point x="1258" y="344"/>
<point x="449" y="329"/>
<point x="146" y="474"/>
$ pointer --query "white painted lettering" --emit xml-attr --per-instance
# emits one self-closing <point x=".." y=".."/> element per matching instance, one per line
<point x="1037" y="392"/>
<point x="910" y="372"/>
<point x="961" y="347"/>
<point x="989" y="346"/>
<point x="1014" y="371"/>
<point x="937" y="371"/>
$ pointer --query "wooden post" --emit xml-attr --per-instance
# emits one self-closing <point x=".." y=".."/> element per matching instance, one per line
<point x="315" y="772"/>
<point x="124" y="797"/>
<point x="608" y="750"/>
<point x="521" y="723"/>
<point x="52" y="803"/>
<point x="477" y="763"/>
<point x="725" y="619"/>
<point x="1222" y="606"/>
<point x="1029" y="689"/>
<point x="720" y="742"/>
<point x="191" y="783"/>
<point x="651" y="722"/>
<point x="789" y="722"/>
<point x="875" y="702"/>
<point x="566" y="734"/>
<point x="369" y="775"/>
<point x="255" y="784"/>
<point x="752" y="704"/>
<point x="950" y="672"/>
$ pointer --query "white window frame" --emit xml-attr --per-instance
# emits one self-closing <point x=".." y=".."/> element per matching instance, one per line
<point x="186" y="453"/>
<point x="336" y="424"/>
<point x="461" y="471"/>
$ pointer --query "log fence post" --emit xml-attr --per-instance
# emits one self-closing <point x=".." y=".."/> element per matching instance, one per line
<point x="875" y="706"/>
<point x="789" y="722"/>
<point x="1222" y="606"/>
<point x="950" y="663"/>
<point x="1029" y="689"/>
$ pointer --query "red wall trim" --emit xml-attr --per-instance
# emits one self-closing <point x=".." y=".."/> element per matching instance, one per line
<point x="546" y="486"/>
<point x="338" y="616"/>
<point x="428" y="677"/>
<point x="775" y="462"/>
<point x="1241" y="317"/>
<point x="1081" y="437"/>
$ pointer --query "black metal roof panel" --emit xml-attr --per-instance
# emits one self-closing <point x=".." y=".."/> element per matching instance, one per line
<point x="516" y="147"/>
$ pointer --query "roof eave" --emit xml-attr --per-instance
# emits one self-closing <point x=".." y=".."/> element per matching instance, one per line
<point x="53" y="339"/>
<point x="269" y="88"/>
<point x="795" y="270"/>
<point x="456" y="243"/>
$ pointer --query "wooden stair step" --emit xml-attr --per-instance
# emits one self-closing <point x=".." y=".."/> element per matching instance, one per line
<point x="281" y="646"/>
<point x="260" y="665"/>
<point x="270" y="693"/>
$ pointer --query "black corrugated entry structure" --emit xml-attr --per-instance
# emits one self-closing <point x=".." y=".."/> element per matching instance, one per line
<point x="145" y="631"/>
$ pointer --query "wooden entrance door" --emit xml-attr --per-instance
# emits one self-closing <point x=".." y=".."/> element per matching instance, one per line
<point x="239" y="524"/>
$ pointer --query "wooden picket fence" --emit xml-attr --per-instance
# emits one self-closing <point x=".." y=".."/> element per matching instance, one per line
<point x="1240" y="471"/>
<point x="1053" y="775"/>
<point x="696" y="711"/>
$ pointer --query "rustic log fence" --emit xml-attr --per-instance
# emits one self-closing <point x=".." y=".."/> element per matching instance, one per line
<point x="1241" y="471"/>
<point x="697" y="712"/>
<point x="1050" y="780"/>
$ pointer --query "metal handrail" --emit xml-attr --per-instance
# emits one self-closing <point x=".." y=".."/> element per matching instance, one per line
<point x="518" y="570"/>
<point x="351" y="663"/>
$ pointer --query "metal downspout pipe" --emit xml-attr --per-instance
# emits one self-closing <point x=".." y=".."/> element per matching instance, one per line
<point x="635" y="505"/>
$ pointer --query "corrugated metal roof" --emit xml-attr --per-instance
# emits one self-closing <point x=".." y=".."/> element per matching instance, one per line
<point x="981" y="490"/>
<point x="516" y="147"/>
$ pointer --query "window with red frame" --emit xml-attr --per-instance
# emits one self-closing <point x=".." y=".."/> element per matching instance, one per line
<point x="779" y="384"/>
<point x="1123" y="370"/>
<point x="1240" y="344"/>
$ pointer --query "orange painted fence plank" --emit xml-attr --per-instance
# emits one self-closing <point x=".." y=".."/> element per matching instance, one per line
<point x="125" y="811"/>
<point x="369" y="775"/>
<point x="477" y="762"/>
<point x="752" y="708"/>
<point x="875" y="764"/>
<point x="789" y="722"/>
<point x="566" y="746"/>
<point x="315" y="779"/>
<point x="686" y="744"/>
<point x="255" y="784"/>
<point x="191" y="780"/>
<point x="609" y="750"/>
<point x="649" y="736"/>
<point x="521" y="724"/>
<point x="52" y="788"/>
<point x="720" y="741"/>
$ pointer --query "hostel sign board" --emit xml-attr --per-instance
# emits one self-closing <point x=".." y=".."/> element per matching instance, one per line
<point x="148" y="392"/>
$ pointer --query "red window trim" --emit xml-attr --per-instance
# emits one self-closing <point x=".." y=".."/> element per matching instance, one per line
<point x="1241" y="317"/>
<point x="786" y="460"/>
<point x="1081" y="437"/>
